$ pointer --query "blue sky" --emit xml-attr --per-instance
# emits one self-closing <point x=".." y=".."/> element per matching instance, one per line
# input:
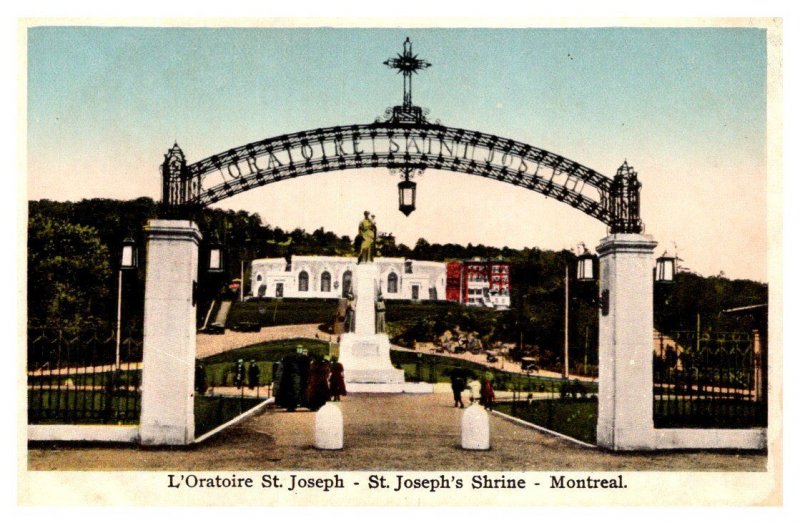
<point x="686" y="107"/>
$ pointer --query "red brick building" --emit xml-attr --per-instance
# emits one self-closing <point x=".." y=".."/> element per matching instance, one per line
<point x="479" y="283"/>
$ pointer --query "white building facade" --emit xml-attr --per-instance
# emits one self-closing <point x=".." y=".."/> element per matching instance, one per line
<point x="332" y="276"/>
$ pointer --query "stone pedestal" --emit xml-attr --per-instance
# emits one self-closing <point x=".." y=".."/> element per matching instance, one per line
<point x="329" y="428"/>
<point x="363" y="353"/>
<point x="625" y="399"/>
<point x="475" y="432"/>
<point x="168" y="360"/>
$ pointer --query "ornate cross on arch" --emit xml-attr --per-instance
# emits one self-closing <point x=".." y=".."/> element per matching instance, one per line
<point x="408" y="64"/>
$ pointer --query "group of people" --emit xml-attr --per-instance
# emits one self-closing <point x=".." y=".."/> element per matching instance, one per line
<point x="300" y="381"/>
<point x="458" y="382"/>
<point x="253" y="373"/>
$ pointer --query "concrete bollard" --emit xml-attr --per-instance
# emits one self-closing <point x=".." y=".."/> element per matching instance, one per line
<point x="475" y="429"/>
<point x="329" y="428"/>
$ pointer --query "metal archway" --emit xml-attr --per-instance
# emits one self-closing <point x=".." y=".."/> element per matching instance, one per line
<point x="405" y="141"/>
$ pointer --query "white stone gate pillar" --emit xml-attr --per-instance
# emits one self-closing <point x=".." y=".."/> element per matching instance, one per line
<point x="168" y="358"/>
<point x="625" y="416"/>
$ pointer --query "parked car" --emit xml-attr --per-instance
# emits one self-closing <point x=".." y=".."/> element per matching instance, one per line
<point x="529" y="365"/>
<point x="491" y="358"/>
<point x="247" y="326"/>
<point x="215" y="328"/>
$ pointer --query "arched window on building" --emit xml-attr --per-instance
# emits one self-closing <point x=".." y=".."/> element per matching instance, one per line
<point x="302" y="281"/>
<point x="347" y="282"/>
<point x="325" y="282"/>
<point x="391" y="283"/>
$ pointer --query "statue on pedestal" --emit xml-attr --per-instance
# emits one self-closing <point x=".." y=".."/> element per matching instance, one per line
<point x="380" y="314"/>
<point x="350" y="313"/>
<point x="365" y="240"/>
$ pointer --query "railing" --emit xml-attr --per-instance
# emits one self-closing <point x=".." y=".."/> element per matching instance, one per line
<point x="433" y="368"/>
<point x="74" y="378"/>
<point x="709" y="380"/>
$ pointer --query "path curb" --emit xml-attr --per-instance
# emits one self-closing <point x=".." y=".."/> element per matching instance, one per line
<point x="528" y="424"/>
<point x="244" y="415"/>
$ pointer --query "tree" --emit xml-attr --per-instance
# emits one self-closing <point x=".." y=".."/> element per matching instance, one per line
<point x="68" y="274"/>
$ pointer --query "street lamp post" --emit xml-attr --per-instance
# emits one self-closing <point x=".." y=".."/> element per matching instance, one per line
<point x="584" y="272"/>
<point x="127" y="262"/>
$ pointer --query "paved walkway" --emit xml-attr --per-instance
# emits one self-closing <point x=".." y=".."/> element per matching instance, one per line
<point x="210" y="344"/>
<point x="382" y="432"/>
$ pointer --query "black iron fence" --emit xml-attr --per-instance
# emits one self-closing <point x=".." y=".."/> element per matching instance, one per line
<point x="706" y="380"/>
<point x="75" y="378"/>
<point x="433" y="368"/>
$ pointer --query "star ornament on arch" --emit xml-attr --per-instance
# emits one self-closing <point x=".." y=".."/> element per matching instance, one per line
<point x="407" y="64"/>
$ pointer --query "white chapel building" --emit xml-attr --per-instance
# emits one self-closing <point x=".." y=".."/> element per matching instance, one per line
<point x="331" y="277"/>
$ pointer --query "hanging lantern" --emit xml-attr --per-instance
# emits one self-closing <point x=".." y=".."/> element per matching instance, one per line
<point x="408" y="195"/>
<point x="215" y="257"/>
<point x="665" y="269"/>
<point x="129" y="254"/>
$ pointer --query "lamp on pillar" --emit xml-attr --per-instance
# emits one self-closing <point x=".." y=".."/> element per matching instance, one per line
<point x="586" y="266"/>
<point x="665" y="269"/>
<point x="129" y="254"/>
<point x="128" y="261"/>
<point x="407" y="191"/>
<point x="215" y="256"/>
<point x="585" y="272"/>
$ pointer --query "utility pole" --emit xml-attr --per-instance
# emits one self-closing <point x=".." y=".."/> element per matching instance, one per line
<point x="565" y="374"/>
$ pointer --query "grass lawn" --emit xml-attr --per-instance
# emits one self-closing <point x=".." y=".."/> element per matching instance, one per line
<point x="212" y="411"/>
<point x="285" y="311"/>
<point x="573" y="417"/>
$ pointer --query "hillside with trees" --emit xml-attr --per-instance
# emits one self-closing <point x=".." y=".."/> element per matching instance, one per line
<point x="73" y="259"/>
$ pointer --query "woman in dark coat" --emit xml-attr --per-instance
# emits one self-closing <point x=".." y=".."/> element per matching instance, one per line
<point x="318" y="392"/>
<point x="288" y="390"/>
<point x="487" y="393"/>
<point x="337" y="380"/>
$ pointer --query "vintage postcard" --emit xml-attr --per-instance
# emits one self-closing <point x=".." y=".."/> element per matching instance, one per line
<point x="424" y="264"/>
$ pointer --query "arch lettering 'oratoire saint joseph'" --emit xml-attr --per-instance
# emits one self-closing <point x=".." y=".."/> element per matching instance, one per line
<point x="406" y="141"/>
<point x="397" y="145"/>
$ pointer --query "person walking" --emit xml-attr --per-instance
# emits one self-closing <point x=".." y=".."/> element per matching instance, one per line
<point x="337" y="386"/>
<point x="253" y="375"/>
<point x="238" y="374"/>
<point x="458" y="382"/>
<point x="487" y="393"/>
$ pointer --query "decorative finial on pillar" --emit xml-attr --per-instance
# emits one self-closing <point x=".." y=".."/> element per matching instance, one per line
<point x="625" y="189"/>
